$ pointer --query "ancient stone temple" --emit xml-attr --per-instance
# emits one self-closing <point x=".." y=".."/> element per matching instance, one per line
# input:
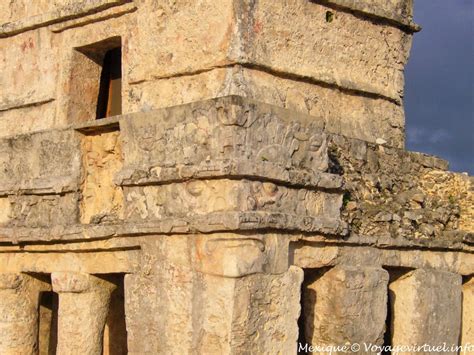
<point x="221" y="177"/>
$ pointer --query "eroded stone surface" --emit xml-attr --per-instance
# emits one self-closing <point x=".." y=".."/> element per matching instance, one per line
<point x="299" y="38"/>
<point x="400" y="11"/>
<point x="348" y="114"/>
<point x="46" y="162"/>
<point x="199" y="197"/>
<point x="222" y="129"/>
<point x="41" y="210"/>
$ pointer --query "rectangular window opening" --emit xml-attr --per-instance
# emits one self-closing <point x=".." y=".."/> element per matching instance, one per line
<point x="395" y="273"/>
<point x="95" y="81"/>
<point x="48" y="323"/>
<point x="109" y="101"/>
<point x="115" y="332"/>
<point x="307" y="314"/>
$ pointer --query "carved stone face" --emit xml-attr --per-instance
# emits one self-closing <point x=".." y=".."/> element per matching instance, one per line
<point x="231" y="256"/>
<point x="235" y="255"/>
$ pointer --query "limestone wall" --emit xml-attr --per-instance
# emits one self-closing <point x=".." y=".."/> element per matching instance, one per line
<point x="300" y="55"/>
<point x="253" y="196"/>
<point x="231" y="225"/>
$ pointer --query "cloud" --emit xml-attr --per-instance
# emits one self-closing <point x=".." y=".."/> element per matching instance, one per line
<point x="439" y="91"/>
<point x="419" y="135"/>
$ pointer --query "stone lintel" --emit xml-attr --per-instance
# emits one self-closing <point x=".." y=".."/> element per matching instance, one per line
<point x="318" y="255"/>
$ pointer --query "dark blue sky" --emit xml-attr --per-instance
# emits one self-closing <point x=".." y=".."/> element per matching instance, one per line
<point x="439" y="89"/>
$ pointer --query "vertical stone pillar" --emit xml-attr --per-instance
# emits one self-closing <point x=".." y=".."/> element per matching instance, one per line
<point x="19" y="298"/>
<point x="426" y="308"/>
<point x="346" y="305"/>
<point x="467" y="334"/>
<point x="213" y="302"/>
<point x="83" y="307"/>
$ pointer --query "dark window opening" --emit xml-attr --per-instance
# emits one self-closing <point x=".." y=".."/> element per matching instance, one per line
<point x="109" y="101"/>
<point x="94" y="89"/>
<point x="395" y="274"/>
<point x="387" y="337"/>
<point x="115" y="332"/>
<point x="307" y="313"/>
<point x="48" y="323"/>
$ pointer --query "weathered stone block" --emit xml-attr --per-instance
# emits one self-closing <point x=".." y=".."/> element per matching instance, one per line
<point x="234" y="255"/>
<point x="356" y="116"/>
<point x="45" y="162"/>
<point x="426" y="308"/>
<point x="21" y="15"/>
<point x="342" y="50"/>
<point x="5" y="211"/>
<point x="42" y="210"/>
<point x="266" y="311"/>
<point x="172" y="38"/>
<point x="200" y="197"/>
<point x="346" y="304"/>
<point x="32" y="80"/>
<point x="219" y="130"/>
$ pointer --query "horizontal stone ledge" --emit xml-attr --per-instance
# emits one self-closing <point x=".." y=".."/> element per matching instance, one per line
<point x="42" y="186"/>
<point x="386" y="242"/>
<point x="313" y="240"/>
<point x="398" y="13"/>
<point x="231" y="168"/>
<point x="209" y="223"/>
<point x="95" y="17"/>
<point x="61" y="14"/>
<point x="24" y="102"/>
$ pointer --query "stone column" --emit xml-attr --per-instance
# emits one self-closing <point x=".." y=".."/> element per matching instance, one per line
<point x="345" y="305"/>
<point x="83" y="307"/>
<point x="235" y="295"/>
<point x="19" y="298"/>
<point x="467" y="334"/>
<point x="426" y="308"/>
